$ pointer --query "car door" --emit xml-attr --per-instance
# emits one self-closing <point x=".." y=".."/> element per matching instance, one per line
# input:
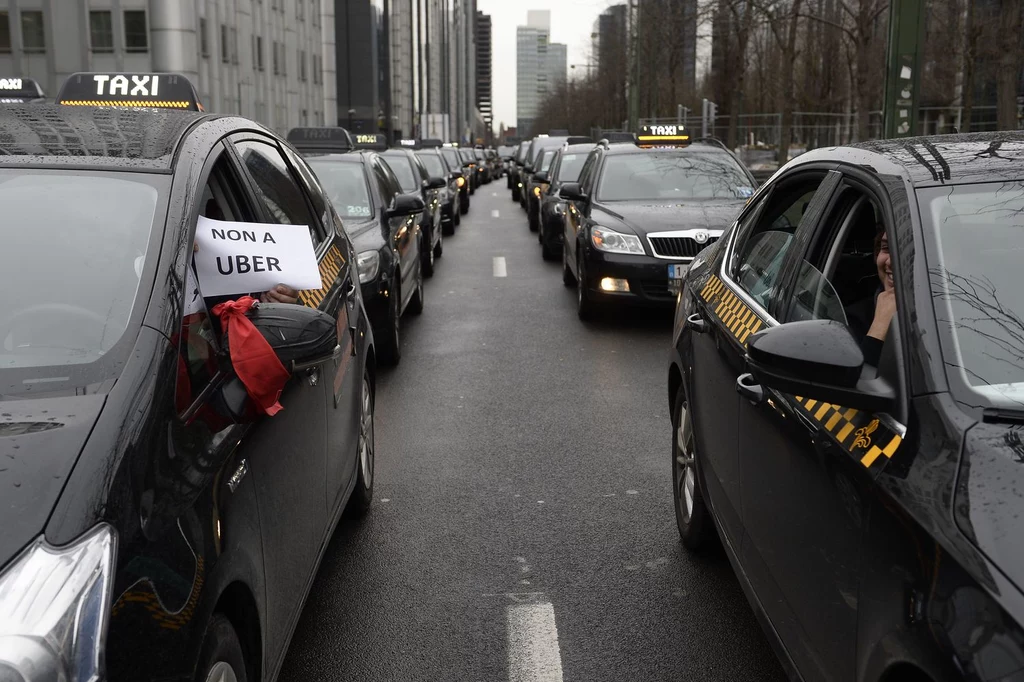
<point x="577" y="211"/>
<point x="339" y="297"/>
<point x="805" y="482"/>
<point x="291" y="446"/>
<point x="404" y="231"/>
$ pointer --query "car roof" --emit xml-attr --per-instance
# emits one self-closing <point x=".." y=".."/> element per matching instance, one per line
<point x="101" y="137"/>
<point x="697" y="146"/>
<point x="936" y="159"/>
<point x="579" y="148"/>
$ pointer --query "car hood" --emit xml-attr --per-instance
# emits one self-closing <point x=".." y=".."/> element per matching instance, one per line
<point x="988" y="505"/>
<point x="40" y="440"/>
<point x="364" y="235"/>
<point x="644" y="217"/>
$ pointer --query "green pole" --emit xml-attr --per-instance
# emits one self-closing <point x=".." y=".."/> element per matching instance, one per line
<point x="903" y="67"/>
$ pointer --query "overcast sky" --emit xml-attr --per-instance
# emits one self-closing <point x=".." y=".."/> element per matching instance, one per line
<point x="571" y="23"/>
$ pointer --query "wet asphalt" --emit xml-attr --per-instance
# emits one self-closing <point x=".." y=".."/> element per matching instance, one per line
<point x="522" y="458"/>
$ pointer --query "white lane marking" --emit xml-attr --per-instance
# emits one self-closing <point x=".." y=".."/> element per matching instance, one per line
<point x="494" y="194"/>
<point x="533" y="653"/>
<point x="499" y="267"/>
<point x="495" y="213"/>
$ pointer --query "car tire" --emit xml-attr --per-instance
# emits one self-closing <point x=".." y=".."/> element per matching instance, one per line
<point x="532" y="220"/>
<point x="568" y="279"/>
<point x="456" y="218"/>
<point x="515" y="193"/>
<point x="427" y="254"/>
<point x="439" y="247"/>
<point x="693" y="519"/>
<point x="464" y="206"/>
<point x="362" y="497"/>
<point x="547" y="252"/>
<point x="416" y="304"/>
<point x="221" y="658"/>
<point x="585" y="305"/>
<point x="389" y="344"/>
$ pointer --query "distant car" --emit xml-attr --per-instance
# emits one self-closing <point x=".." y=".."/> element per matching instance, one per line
<point x="566" y="167"/>
<point x="506" y="154"/>
<point x="861" y="461"/>
<point x="437" y="166"/>
<point x="537" y="184"/>
<point x="535" y="163"/>
<point x="453" y="157"/>
<point x="381" y="220"/>
<point x="415" y="180"/>
<point x="18" y="90"/>
<point x="515" y="168"/>
<point x="483" y="166"/>
<point x="639" y="215"/>
<point x="471" y="164"/>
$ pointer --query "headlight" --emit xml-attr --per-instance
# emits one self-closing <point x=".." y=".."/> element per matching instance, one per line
<point x="368" y="265"/>
<point x="54" y="608"/>
<point x="611" y="241"/>
<point x="460" y="181"/>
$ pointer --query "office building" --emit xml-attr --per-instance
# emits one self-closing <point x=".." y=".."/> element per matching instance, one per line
<point x="483" y="68"/>
<point x="540" y="67"/>
<point x="270" y="60"/>
<point x="612" y="50"/>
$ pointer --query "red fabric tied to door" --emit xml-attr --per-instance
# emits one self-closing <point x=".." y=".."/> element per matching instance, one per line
<point x="255" y="362"/>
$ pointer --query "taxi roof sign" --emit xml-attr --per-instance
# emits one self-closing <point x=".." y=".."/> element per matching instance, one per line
<point x="133" y="90"/>
<point x="332" y="139"/>
<point x="375" y="141"/>
<point x="662" y="136"/>
<point x="18" y="90"/>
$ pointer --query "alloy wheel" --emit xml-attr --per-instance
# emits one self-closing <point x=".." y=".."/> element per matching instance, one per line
<point x="686" y="479"/>
<point x="366" y="435"/>
<point x="222" y="672"/>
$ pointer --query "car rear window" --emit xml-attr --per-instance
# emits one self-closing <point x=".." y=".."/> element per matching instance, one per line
<point x="74" y="248"/>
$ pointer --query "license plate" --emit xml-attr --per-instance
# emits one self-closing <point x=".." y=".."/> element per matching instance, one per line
<point x="676" y="273"/>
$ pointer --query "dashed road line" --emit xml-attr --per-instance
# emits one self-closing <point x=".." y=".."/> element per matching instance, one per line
<point x="495" y="213"/>
<point x="533" y="652"/>
<point x="499" y="266"/>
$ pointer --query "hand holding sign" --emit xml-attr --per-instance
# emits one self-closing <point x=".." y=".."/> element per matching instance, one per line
<point x="238" y="258"/>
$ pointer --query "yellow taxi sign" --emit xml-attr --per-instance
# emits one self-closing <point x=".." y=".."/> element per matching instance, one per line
<point x="130" y="90"/>
<point x="662" y="136"/>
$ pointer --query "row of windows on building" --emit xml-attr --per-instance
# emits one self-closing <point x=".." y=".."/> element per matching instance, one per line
<point x="229" y="53"/>
<point x="101" y="31"/>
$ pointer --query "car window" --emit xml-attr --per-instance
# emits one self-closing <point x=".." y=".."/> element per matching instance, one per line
<point x="432" y="162"/>
<point x="766" y="233"/>
<point x="588" y="171"/>
<point x="569" y="167"/>
<point x="388" y="189"/>
<point x="276" y="187"/>
<point x="345" y="183"/>
<point x="403" y="169"/>
<point x="545" y="162"/>
<point x="314" y="190"/>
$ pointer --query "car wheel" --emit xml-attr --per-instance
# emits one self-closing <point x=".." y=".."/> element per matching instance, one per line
<point x="568" y="279"/>
<point x="547" y="252"/>
<point x="362" y="496"/>
<point x="427" y="257"/>
<point x="532" y="219"/>
<point x="221" y="658"/>
<point x="439" y="248"/>
<point x="416" y="304"/>
<point x="585" y="305"/>
<point x="515" y="193"/>
<point x="692" y="516"/>
<point x="456" y="218"/>
<point x="389" y="346"/>
<point x="464" y="206"/>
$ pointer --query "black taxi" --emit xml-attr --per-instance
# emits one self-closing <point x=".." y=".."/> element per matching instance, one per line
<point x="17" y="90"/>
<point x="153" y="524"/>
<point x="382" y="221"/>
<point x="640" y="213"/>
<point x="846" y="384"/>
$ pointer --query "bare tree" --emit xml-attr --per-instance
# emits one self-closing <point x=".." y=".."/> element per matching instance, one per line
<point x="783" y="19"/>
<point x="1008" y="73"/>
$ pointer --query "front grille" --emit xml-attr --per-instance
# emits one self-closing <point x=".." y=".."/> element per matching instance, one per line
<point x="678" y="247"/>
<point x="656" y="289"/>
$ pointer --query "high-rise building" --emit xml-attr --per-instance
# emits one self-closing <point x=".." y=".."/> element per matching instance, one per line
<point x="540" y="68"/>
<point x="483" y="68"/>
<point x="613" y="61"/>
<point x="272" y="61"/>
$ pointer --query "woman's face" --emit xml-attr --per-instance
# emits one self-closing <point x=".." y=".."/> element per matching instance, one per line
<point x="884" y="263"/>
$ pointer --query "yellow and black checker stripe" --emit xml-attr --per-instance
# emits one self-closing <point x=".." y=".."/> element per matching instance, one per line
<point x="147" y="104"/>
<point x="330" y="267"/>
<point x="859" y="433"/>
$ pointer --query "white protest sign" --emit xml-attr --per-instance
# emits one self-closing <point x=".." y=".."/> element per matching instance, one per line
<point x="241" y="258"/>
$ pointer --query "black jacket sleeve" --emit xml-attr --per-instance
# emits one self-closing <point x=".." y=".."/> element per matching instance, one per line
<point x="872" y="350"/>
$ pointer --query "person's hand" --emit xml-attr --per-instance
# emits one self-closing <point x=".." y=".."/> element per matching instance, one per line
<point x="280" y="294"/>
<point x="885" y="308"/>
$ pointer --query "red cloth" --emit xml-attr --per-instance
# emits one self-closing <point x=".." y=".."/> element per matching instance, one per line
<point x="255" y="362"/>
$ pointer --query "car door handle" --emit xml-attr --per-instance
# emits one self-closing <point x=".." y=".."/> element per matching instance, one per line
<point x="748" y="387"/>
<point x="697" y="323"/>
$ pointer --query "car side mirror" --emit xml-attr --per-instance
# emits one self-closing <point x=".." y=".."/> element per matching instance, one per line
<point x="817" y="359"/>
<point x="434" y="183"/>
<point x="302" y="337"/>
<point x="541" y="176"/>
<point x="405" y="205"/>
<point x="456" y="174"/>
<point x="571" y="191"/>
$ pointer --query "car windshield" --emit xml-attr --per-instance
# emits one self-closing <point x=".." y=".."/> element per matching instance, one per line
<point x="570" y="166"/>
<point x="433" y="165"/>
<point x="452" y="156"/>
<point x="545" y="161"/>
<point x="976" y="282"/>
<point x="74" y="246"/>
<point x="345" y="184"/>
<point x="678" y="174"/>
<point x="403" y="168"/>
